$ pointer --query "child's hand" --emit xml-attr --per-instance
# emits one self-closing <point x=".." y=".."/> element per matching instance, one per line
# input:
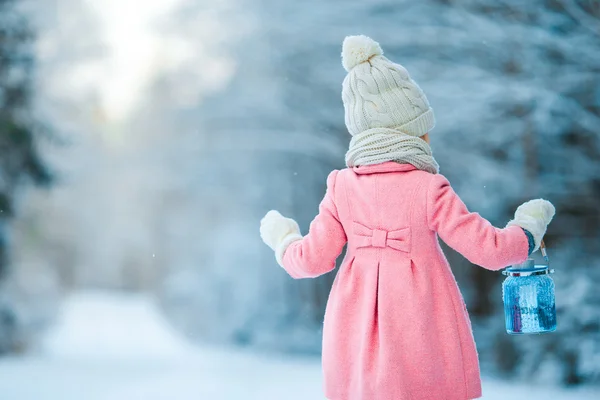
<point x="540" y="209"/>
<point x="534" y="216"/>
<point x="276" y="230"/>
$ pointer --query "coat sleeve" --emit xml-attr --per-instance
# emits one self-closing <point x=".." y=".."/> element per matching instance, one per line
<point x="470" y="234"/>
<point x="315" y="253"/>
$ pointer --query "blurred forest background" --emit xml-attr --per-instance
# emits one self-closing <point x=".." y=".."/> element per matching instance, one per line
<point x="141" y="143"/>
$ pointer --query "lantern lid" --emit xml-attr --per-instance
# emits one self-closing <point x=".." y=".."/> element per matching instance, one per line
<point x="528" y="268"/>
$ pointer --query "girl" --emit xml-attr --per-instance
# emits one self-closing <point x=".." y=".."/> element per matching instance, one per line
<point x="396" y="326"/>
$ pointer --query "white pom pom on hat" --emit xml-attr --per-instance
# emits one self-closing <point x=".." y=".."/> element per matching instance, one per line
<point x="358" y="49"/>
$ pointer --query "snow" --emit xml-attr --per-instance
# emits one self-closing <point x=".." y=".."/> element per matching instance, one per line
<point x="96" y="325"/>
<point x="109" y="346"/>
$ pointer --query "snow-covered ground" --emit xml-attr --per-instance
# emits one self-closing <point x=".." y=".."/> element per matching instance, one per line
<point x="118" y="347"/>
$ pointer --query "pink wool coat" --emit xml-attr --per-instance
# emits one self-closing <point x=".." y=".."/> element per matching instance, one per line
<point x="396" y="326"/>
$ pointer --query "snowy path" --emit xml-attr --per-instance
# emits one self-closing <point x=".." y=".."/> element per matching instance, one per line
<point x="109" y="348"/>
<point x="209" y="376"/>
<point x="212" y="377"/>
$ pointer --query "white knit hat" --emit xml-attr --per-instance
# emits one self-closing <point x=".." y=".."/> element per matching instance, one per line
<point x="380" y="94"/>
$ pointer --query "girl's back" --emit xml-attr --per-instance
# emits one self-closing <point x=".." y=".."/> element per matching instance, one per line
<point x="396" y="326"/>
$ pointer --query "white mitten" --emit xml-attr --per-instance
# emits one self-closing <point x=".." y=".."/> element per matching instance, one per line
<point x="534" y="216"/>
<point x="278" y="233"/>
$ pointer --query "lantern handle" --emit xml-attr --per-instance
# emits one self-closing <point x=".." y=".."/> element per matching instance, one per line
<point x="543" y="250"/>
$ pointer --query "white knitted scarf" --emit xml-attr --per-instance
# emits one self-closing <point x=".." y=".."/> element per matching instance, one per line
<point x="378" y="145"/>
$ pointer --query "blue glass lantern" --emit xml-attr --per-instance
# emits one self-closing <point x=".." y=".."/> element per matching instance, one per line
<point x="528" y="294"/>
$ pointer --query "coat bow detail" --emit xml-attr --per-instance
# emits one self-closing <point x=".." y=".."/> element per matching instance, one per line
<point x="367" y="237"/>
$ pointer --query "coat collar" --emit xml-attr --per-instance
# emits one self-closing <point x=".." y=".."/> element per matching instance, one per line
<point x="383" y="168"/>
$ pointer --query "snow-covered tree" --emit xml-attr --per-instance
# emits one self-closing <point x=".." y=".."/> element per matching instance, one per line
<point x="19" y="156"/>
